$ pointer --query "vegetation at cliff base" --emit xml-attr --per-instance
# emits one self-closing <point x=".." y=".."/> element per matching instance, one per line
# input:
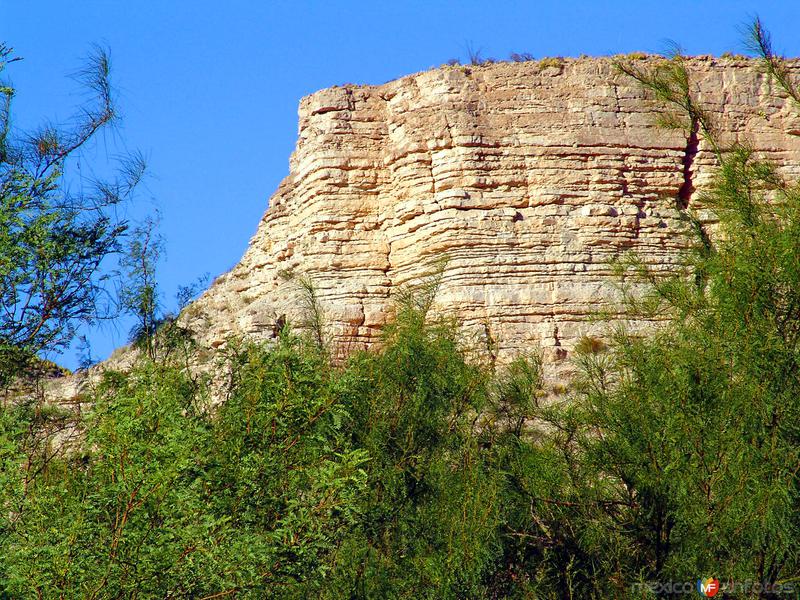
<point x="420" y="469"/>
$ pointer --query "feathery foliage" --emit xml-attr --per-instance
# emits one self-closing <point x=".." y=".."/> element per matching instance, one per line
<point x="53" y="242"/>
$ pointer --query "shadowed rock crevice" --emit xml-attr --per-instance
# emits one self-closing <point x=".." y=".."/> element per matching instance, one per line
<point x="690" y="152"/>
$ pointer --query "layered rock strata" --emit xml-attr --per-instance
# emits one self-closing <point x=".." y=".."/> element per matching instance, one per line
<point x="527" y="178"/>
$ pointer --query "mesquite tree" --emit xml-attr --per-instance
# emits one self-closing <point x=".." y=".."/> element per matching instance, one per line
<point x="53" y="241"/>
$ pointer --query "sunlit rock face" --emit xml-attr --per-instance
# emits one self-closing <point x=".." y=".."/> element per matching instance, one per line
<point x="527" y="178"/>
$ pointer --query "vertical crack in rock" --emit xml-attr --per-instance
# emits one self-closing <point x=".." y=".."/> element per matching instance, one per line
<point x="689" y="153"/>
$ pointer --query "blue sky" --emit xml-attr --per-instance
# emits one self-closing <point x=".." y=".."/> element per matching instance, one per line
<point x="209" y="90"/>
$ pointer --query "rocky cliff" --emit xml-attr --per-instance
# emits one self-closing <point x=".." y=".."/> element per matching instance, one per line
<point x="528" y="177"/>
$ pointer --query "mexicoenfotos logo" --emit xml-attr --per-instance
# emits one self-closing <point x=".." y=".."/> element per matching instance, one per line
<point x="711" y="586"/>
<point x="708" y="587"/>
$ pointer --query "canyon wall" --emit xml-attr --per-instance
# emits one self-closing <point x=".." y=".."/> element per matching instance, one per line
<point x="526" y="178"/>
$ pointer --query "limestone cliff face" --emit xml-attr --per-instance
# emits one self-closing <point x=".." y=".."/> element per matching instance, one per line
<point x="529" y="177"/>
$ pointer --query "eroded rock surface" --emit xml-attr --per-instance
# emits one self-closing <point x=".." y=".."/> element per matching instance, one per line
<point x="529" y="177"/>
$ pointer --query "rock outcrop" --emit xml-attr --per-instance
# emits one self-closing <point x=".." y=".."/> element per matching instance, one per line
<point x="528" y="177"/>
